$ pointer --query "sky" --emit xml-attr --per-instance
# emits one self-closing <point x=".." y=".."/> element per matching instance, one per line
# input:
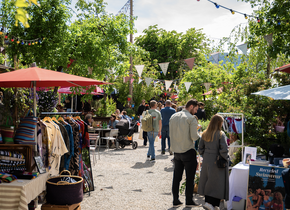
<point x="180" y="15"/>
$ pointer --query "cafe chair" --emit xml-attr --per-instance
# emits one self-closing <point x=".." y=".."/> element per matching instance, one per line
<point x="93" y="138"/>
<point x="112" y="136"/>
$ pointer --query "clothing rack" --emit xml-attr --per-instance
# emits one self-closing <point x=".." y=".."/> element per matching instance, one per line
<point x="236" y="115"/>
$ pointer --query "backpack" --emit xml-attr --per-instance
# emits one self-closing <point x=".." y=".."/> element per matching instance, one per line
<point x="147" y="122"/>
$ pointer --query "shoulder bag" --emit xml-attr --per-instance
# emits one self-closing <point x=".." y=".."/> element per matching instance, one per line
<point x="220" y="161"/>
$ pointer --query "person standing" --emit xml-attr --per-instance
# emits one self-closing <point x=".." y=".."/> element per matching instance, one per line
<point x="142" y="108"/>
<point x="183" y="134"/>
<point x="201" y="112"/>
<point x="166" y="113"/>
<point x="157" y="126"/>
<point x="214" y="181"/>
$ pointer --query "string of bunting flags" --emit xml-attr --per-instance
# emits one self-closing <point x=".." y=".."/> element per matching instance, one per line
<point x="246" y="16"/>
<point x="8" y="39"/>
<point x="164" y="68"/>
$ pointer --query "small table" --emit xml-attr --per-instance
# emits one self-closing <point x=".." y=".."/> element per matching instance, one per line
<point x="19" y="193"/>
<point x="101" y="133"/>
<point x="238" y="183"/>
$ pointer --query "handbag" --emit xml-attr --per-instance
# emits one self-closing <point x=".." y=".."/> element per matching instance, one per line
<point x="7" y="132"/>
<point x="25" y="131"/>
<point x="220" y="161"/>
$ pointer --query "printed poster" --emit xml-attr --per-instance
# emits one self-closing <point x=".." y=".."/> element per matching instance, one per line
<point x="266" y="189"/>
<point x="250" y="153"/>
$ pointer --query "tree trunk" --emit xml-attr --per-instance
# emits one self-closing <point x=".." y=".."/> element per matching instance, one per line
<point x="268" y="66"/>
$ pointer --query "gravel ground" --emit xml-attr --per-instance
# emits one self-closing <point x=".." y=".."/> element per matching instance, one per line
<point x="124" y="179"/>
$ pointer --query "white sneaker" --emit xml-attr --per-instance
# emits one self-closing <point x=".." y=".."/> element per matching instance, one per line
<point x="208" y="206"/>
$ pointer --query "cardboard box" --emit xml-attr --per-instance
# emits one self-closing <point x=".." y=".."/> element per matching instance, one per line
<point x="47" y="206"/>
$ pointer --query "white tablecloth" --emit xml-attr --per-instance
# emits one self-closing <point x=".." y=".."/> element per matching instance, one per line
<point x="18" y="194"/>
<point x="238" y="182"/>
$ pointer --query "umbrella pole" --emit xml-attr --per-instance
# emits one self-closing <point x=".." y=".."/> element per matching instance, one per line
<point x="34" y="110"/>
<point x="72" y="103"/>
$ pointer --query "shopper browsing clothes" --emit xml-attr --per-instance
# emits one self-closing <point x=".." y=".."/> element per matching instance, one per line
<point x="183" y="134"/>
<point x="214" y="181"/>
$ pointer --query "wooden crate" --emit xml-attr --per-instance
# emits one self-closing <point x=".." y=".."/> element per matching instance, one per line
<point x="26" y="150"/>
<point x="47" y="206"/>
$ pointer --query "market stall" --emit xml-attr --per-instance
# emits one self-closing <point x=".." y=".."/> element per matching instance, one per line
<point x="37" y="77"/>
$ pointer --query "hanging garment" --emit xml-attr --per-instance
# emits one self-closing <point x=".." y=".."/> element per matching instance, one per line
<point x="74" y="161"/>
<point x="57" y="148"/>
<point x="238" y="124"/>
<point x="232" y="126"/>
<point x="226" y="125"/>
<point x="68" y="156"/>
<point x="67" y="144"/>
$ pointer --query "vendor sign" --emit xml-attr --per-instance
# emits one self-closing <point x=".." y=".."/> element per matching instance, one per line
<point x="266" y="189"/>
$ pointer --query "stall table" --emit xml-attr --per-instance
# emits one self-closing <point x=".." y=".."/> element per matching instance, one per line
<point x="238" y="183"/>
<point x="18" y="194"/>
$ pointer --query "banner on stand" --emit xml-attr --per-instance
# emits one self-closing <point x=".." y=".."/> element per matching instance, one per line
<point x="168" y="83"/>
<point x="139" y="69"/>
<point x="266" y="181"/>
<point x="187" y="85"/>
<point x="189" y="62"/>
<point x="164" y="67"/>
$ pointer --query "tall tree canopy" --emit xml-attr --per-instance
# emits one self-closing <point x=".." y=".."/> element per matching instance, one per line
<point x="173" y="47"/>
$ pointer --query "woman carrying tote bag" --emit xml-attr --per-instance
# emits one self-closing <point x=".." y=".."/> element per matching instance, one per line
<point x="214" y="180"/>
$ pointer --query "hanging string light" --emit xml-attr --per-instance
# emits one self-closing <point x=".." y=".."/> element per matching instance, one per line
<point x="246" y="17"/>
<point x="232" y="11"/>
<point x="216" y="5"/>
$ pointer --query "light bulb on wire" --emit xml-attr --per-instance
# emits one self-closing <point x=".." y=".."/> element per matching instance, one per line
<point x="233" y="12"/>
<point x="246" y="17"/>
<point x="216" y="5"/>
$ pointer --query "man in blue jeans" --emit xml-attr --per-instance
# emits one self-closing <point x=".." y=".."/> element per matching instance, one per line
<point x="166" y="113"/>
<point x="157" y="125"/>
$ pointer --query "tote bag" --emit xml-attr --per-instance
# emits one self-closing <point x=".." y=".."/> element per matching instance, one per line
<point x="7" y="132"/>
<point x="25" y="131"/>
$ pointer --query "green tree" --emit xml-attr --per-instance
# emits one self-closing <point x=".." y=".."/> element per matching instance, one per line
<point x="173" y="47"/>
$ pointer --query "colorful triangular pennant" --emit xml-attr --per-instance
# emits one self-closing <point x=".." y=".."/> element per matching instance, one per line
<point x="189" y="62"/>
<point x="269" y="39"/>
<point x="206" y="85"/>
<point x="215" y="57"/>
<point x="168" y="83"/>
<point x="139" y="69"/>
<point x="243" y="48"/>
<point x="187" y="85"/>
<point x="164" y="67"/>
<point x="148" y="80"/>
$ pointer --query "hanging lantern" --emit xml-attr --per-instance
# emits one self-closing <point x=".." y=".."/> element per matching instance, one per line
<point x="6" y="36"/>
<point x="128" y="99"/>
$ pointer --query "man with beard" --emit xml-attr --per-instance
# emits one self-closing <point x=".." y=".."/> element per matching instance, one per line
<point x="183" y="134"/>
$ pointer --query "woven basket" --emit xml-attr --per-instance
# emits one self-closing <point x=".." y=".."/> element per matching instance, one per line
<point x="62" y="192"/>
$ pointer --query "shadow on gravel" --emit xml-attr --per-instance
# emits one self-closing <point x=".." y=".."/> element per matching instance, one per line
<point x="139" y="165"/>
<point x="171" y="169"/>
<point x="163" y="157"/>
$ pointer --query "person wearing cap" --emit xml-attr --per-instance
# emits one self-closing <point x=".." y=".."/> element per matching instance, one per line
<point x="166" y="113"/>
<point x="113" y="121"/>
